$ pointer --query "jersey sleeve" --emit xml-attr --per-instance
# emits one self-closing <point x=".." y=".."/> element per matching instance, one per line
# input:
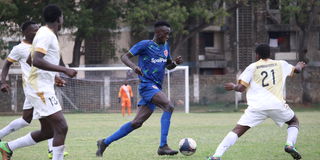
<point x="138" y="48"/>
<point x="287" y="68"/>
<point x="14" y="55"/>
<point x="42" y="42"/>
<point x="246" y="76"/>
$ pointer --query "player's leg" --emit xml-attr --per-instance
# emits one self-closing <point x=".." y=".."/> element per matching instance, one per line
<point x="123" y="109"/>
<point x="21" y="122"/>
<point x="142" y="115"/>
<point x="161" y="100"/>
<point x="229" y="140"/>
<point x="129" y="107"/>
<point x="27" y="140"/>
<point x="248" y="120"/>
<point x="293" y="130"/>
<point x="60" y="129"/>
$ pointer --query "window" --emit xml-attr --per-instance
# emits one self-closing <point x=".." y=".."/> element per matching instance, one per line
<point x="280" y="40"/>
<point x="207" y="39"/>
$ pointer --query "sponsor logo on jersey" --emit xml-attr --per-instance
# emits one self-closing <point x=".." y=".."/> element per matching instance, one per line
<point x="159" y="60"/>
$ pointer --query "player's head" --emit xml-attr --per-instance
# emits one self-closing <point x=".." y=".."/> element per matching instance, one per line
<point x="53" y="14"/>
<point x="263" y="51"/>
<point x="161" y="31"/>
<point x="29" y="29"/>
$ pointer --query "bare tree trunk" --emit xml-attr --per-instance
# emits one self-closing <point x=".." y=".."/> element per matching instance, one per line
<point x="302" y="50"/>
<point x="76" y="52"/>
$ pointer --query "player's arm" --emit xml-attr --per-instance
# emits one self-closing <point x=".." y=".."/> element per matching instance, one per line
<point x="119" y="95"/>
<point x="5" y="70"/>
<point x="40" y="62"/>
<point x="126" y="59"/>
<point x="299" y="66"/>
<point x="173" y="64"/>
<point x="236" y="87"/>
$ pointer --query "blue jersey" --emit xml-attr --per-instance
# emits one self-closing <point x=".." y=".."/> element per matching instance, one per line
<point x="152" y="60"/>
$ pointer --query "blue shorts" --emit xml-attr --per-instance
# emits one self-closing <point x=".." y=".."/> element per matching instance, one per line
<point x="147" y="91"/>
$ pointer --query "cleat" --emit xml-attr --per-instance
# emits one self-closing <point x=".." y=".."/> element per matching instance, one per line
<point x="50" y="154"/>
<point x="5" y="151"/>
<point x="214" y="158"/>
<point x="101" y="147"/>
<point x="292" y="151"/>
<point x="166" y="150"/>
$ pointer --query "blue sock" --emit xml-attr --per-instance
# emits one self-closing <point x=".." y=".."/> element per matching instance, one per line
<point x="123" y="131"/>
<point x="165" y="125"/>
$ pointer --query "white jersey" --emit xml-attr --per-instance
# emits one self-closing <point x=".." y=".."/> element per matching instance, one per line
<point x="265" y="82"/>
<point x="46" y="42"/>
<point x="20" y="53"/>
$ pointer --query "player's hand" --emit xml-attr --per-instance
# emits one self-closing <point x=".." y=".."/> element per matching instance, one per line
<point x="178" y="60"/>
<point x="5" y="87"/>
<point x="59" y="81"/>
<point x="138" y="70"/>
<point x="300" y="65"/>
<point x="70" y="72"/>
<point x="229" y="86"/>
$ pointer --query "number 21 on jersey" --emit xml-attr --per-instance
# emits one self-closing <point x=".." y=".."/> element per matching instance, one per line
<point x="268" y="78"/>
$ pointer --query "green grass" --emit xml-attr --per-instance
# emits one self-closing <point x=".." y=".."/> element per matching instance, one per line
<point x="264" y="142"/>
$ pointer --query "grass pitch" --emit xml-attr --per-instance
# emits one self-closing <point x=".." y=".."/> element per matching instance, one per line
<point x="264" y="142"/>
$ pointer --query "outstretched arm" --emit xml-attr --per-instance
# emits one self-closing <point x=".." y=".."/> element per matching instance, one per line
<point x="4" y="85"/>
<point x="236" y="87"/>
<point x="299" y="66"/>
<point x="40" y="62"/>
<point x="172" y="64"/>
<point x="126" y="60"/>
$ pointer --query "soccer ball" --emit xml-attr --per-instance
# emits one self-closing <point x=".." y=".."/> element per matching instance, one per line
<point x="187" y="146"/>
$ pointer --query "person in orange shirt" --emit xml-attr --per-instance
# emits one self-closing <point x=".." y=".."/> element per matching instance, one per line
<point x="125" y="96"/>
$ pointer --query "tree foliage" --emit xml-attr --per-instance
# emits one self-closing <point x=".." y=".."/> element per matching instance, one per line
<point x="85" y="18"/>
<point x="187" y="17"/>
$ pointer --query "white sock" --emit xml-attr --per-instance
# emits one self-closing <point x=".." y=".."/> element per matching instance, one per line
<point x="58" y="152"/>
<point x="292" y="135"/>
<point x="227" y="142"/>
<point x="50" y="142"/>
<point x="13" y="126"/>
<point x="21" y="142"/>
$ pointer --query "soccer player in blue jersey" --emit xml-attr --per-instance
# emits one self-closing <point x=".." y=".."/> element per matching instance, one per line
<point x="154" y="57"/>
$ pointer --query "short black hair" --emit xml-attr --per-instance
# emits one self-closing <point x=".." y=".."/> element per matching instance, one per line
<point x="26" y="24"/>
<point x="263" y="50"/>
<point x="161" y="23"/>
<point x="51" y="13"/>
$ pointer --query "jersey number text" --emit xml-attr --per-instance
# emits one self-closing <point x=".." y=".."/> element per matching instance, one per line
<point x="265" y="75"/>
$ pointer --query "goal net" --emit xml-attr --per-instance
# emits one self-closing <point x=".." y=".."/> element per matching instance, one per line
<point x="95" y="89"/>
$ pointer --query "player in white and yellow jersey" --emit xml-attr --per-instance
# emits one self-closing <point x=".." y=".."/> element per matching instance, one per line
<point x="40" y="88"/>
<point x="20" y="54"/>
<point x="264" y="81"/>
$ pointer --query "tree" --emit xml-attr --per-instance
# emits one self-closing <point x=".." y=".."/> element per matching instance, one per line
<point x="85" y="18"/>
<point x="94" y="18"/>
<point x="300" y="13"/>
<point x="187" y="17"/>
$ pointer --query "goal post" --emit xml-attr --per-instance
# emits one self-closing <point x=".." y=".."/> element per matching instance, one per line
<point x="105" y="82"/>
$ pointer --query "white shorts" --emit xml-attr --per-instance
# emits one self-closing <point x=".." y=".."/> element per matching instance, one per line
<point x="27" y="104"/>
<point x="44" y="105"/>
<point x="253" y="117"/>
